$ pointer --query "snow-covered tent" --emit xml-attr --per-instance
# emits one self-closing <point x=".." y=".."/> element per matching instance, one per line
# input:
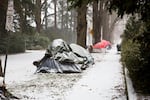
<point x="61" y="57"/>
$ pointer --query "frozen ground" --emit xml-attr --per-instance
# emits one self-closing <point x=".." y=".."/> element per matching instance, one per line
<point x="25" y="84"/>
<point x="103" y="81"/>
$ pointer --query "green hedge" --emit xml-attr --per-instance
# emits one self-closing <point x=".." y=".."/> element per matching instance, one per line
<point x="136" y="55"/>
<point x="37" y="42"/>
<point x="13" y="43"/>
<point x="16" y="44"/>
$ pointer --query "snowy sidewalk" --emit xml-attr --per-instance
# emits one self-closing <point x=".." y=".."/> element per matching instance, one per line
<point x="104" y="81"/>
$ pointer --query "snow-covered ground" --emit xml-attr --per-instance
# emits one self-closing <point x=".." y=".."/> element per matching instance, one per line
<point x="103" y="81"/>
<point x="19" y="66"/>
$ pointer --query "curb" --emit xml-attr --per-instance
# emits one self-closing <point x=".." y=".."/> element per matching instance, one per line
<point x="131" y="94"/>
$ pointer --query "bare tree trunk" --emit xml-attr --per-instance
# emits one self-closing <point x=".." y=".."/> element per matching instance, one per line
<point x="46" y="25"/>
<point x="81" y="25"/>
<point x="105" y="25"/>
<point x="67" y="19"/>
<point x="105" y="21"/>
<point x="75" y="26"/>
<point x="62" y="15"/>
<point x="71" y="21"/>
<point x="38" y="15"/>
<point x="75" y="21"/>
<point x="55" y="14"/>
<point x="3" y="10"/>
<point x="97" y="20"/>
<point x="95" y="12"/>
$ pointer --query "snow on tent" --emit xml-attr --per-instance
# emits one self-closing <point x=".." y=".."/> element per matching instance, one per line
<point x="61" y="57"/>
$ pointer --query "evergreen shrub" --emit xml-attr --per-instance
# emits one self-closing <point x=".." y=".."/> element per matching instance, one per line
<point x="135" y="54"/>
<point x="14" y="43"/>
<point x="37" y="42"/>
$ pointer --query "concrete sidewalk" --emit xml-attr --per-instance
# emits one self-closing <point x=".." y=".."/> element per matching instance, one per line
<point x="104" y="81"/>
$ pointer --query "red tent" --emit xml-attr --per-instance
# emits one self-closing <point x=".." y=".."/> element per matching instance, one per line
<point x="102" y="44"/>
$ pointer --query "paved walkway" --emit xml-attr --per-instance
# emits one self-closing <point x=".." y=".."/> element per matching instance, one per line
<point x="104" y="81"/>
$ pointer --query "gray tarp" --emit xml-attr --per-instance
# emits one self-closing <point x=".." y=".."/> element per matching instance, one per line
<point x="61" y="57"/>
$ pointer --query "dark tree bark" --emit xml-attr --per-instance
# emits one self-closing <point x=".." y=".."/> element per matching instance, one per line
<point x="96" y="22"/>
<point x="55" y="15"/>
<point x="101" y="25"/>
<point x="81" y="25"/>
<point x="97" y="19"/>
<point x="38" y="15"/>
<point x="75" y="21"/>
<point x="105" y="23"/>
<point x="62" y="15"/>
<point x="46" y="24"/>
<point x="3" y="10"/>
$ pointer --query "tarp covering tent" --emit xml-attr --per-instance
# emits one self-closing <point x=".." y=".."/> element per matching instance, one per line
<point x="61" y="57"/>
